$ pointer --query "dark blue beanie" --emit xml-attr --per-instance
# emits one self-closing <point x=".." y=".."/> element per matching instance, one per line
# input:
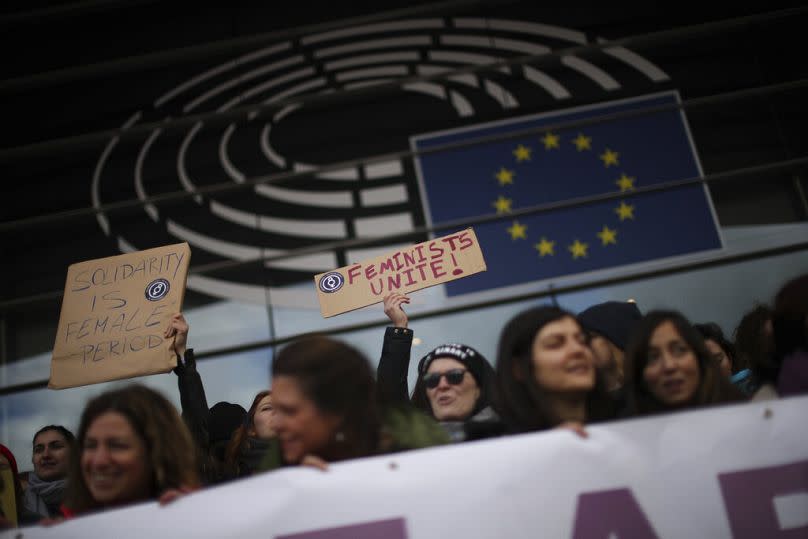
<point x="612" y="319"/>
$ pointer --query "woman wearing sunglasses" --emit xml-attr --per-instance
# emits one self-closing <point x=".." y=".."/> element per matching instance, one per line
<point x="454" y="383"/>
<point x="546" y="373"/>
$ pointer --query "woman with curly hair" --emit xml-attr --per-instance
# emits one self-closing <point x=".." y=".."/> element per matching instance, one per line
<point x="132" y="447"/>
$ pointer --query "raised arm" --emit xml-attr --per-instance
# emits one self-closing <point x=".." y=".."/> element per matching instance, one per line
<point x="194" y="403"/>
<point x="394" y="363"/>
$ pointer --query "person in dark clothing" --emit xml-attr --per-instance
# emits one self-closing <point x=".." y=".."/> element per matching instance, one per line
<point x="47" y="484"/>
<point x="669" y="367"/>
<point x="790" y="327"/>
<point x="546" y="373"/>
<point x="609" y="325"/>
<point x="754" y="344"/>
<point x="455" y="382"/>
<point x="211" y="428"/>
<point x="224" y="419"/>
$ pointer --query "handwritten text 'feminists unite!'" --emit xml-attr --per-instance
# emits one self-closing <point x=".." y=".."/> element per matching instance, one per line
<point x="409" y="267"/>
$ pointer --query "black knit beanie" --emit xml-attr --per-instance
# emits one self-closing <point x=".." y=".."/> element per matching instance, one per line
<point x="477" y="365"/>
<point x="225" y="417"/>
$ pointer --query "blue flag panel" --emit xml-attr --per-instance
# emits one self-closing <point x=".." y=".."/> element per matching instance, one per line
<point x="615" y="155"/>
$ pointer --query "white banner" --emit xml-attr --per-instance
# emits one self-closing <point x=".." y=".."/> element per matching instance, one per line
<point x="739" y="471"/>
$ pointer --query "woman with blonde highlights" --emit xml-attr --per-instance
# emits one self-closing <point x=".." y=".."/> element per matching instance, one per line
<point x="132" y="447"/>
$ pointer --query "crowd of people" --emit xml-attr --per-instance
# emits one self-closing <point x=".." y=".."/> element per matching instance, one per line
<point x="554" y="369"/>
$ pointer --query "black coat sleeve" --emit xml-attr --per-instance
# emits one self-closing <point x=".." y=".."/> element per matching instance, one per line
<point x="194" y="403"/>
<point x="394" y="364"/>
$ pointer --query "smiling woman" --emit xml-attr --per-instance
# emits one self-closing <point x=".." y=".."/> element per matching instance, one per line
<point x="324" y="397"/>
<point x="52" y="449"/>
<point x="132" y="447"/>
<point x="669" y="367"/>
<point x="546" y="372"/>
<point x="453" y="382"/>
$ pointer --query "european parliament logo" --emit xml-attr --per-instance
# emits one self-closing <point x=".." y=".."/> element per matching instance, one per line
<point x="620" y="153"/>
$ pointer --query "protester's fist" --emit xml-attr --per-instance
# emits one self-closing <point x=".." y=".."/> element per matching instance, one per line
<point x="313" y="461"/>
<point x="178" y="328"/>
<point x="171" y="494"/>
<point x="574" y="426"/>
<point x="393" y="310"/>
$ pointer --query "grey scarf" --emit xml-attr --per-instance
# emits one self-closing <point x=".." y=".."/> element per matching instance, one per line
<point x="44" y="497"/>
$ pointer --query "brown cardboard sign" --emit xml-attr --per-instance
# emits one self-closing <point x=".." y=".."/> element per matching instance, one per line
<point x="114" y="313"/>
<point x="405" y="270"/>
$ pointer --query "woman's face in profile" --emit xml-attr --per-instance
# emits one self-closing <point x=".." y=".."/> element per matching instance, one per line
<point x="303" y="429"/>
<point x="563" y="362"/>
<point x="263" y="419"/>
<point x="719" y="356"/>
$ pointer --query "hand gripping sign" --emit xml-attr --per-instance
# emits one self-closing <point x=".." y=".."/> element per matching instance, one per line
<point x="405" y="270"/>
<point x="114" y="313"/>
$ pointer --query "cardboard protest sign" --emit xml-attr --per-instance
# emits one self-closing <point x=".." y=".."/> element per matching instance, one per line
<point x="406" y="270"/>
<point x="8" y="499"/>
<point x="114" y="313"/>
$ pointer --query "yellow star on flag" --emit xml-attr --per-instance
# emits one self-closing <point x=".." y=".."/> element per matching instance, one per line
<point x="582" y="142"/>
<point x="578" y="249"/>
<point x="625" y="183"/>
<point x="522" y="153"/>
<point x="607" y="235"/>
<point x="502" y="204"/>
<point x="545" y="247"/>
<point x="550" y="141"/>
<point x="609" y="158"/>
<point x="625" y="211"/>
<point x="505" y="176"/>
<point x="517" y="231"/>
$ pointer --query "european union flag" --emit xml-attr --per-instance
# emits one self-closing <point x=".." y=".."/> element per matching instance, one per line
<point x="615" y="155"/>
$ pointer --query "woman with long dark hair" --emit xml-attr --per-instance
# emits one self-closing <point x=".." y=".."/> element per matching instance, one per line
<point x="546" y="373"/>
<point x="670" y="367"/>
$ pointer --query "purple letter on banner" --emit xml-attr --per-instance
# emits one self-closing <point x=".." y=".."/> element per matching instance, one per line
<point x="611" y="512"/>
<point x="389" y="529"/>
<point x="749" y="497"/>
